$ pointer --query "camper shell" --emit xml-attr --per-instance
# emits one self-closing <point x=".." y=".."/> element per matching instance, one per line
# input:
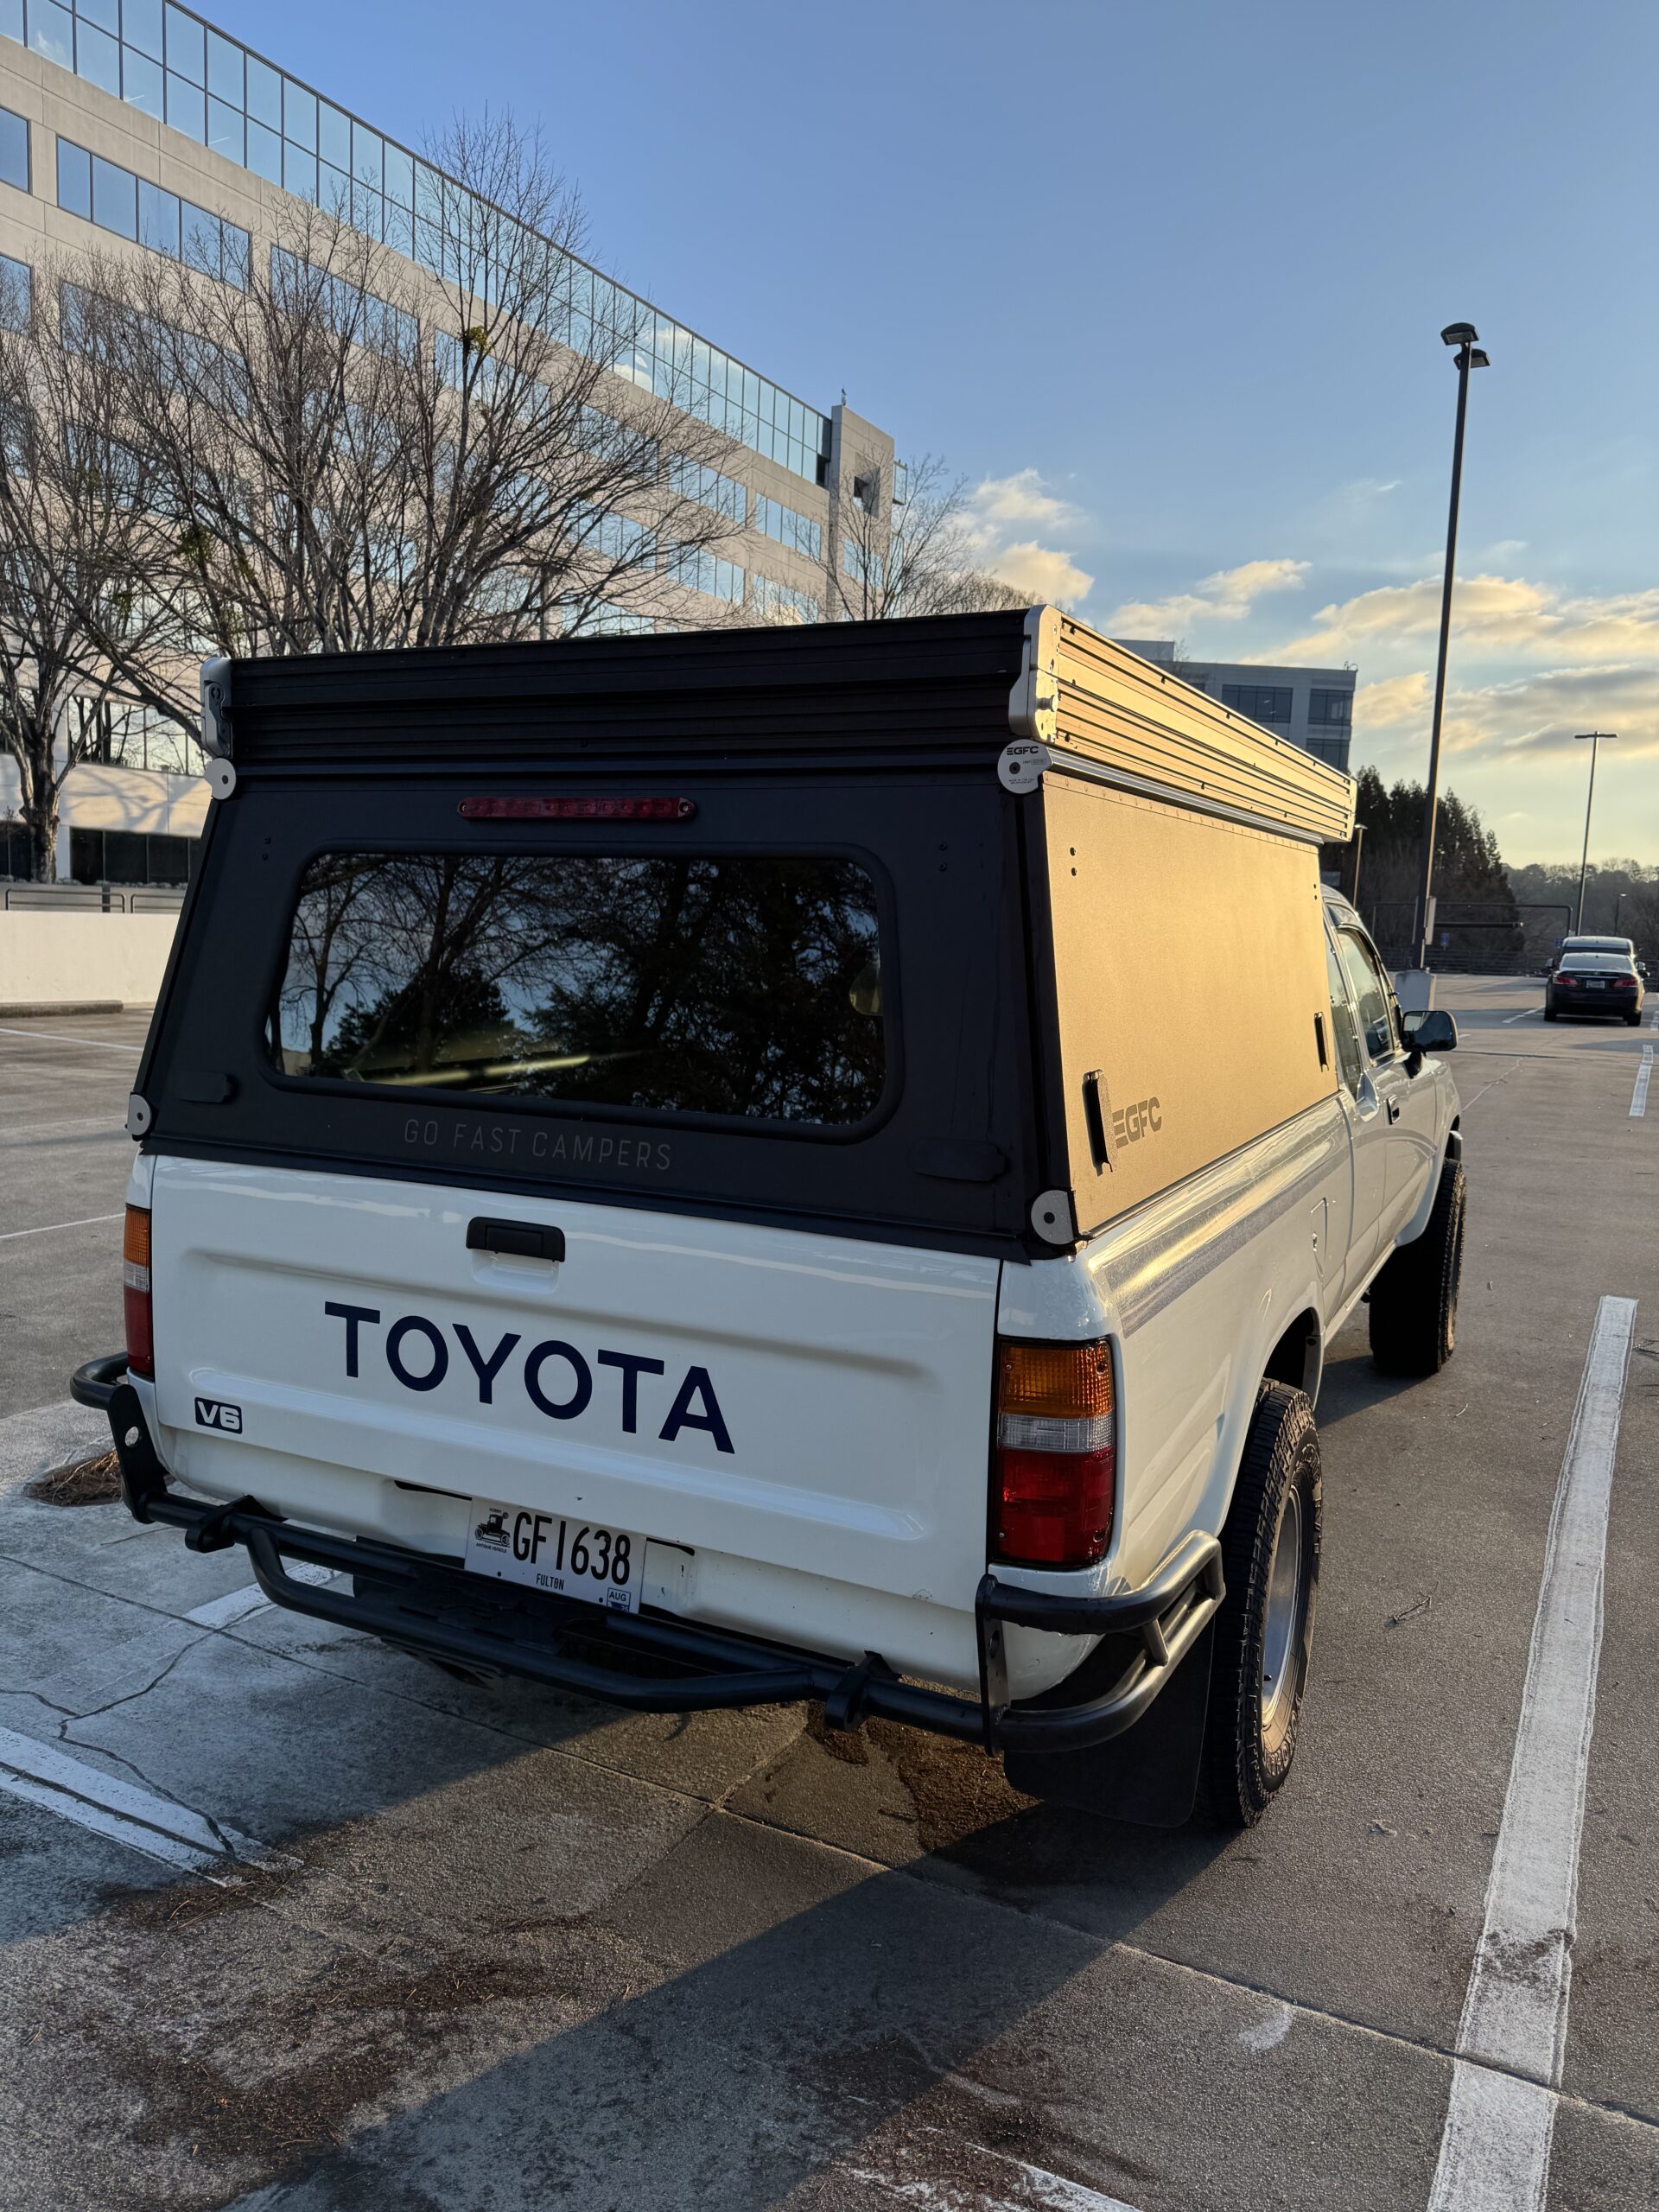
<point x="1089" y="1092"/>
<point x="1055" y="1010"/>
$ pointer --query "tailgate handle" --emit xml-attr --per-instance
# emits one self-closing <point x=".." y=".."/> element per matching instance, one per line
<point x="525" y="1240"/>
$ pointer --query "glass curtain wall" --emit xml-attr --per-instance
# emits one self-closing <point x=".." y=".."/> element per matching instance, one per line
<point x="171" y="64"/>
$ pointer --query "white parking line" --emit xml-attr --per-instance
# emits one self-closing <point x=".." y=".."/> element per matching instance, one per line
<point x="1495" y="2151"/>
<point x="1521" y="1016"/>
<point x="1639" y="1095"/>
<point x="236" y="1604"/>
<point x="42" y="1774"/>
<point x="57" y="1037"/>
<point x="46" y="1228"/>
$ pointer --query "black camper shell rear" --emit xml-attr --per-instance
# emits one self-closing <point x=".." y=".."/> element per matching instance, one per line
<point x="875" y="744"/>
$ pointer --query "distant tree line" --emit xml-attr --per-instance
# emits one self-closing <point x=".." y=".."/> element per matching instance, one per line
<point x="1492" y="915"/>
<point x="1621" y="899"/>
<point x="1476" y="906"/>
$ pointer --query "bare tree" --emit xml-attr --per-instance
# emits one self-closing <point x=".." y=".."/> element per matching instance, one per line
<point x="75" y="494"/>
<point x="917" y="557"/>
<point x="349" y="448"/>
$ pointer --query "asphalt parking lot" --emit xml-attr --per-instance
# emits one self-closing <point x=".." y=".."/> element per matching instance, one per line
<point x="292" y="1921"/>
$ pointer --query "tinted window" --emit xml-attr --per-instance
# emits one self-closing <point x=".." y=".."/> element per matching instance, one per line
<point x="14" y="150"/>
<point x="1371" y="994"/>
<point x="708" y="984"/>
<point x="1335" y="710"/>
<point x="1342" y="1022"/>
<point x="1265" y="702"/>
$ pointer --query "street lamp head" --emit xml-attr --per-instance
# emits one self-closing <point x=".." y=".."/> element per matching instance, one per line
<point x="1458" y="333"/>
<point x="1478" y="359"/>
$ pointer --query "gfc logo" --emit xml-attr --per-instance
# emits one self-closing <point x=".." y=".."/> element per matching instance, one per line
<point x="1131" y="1123"/>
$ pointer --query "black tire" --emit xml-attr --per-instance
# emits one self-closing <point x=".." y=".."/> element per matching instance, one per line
<point x="1414" y="1304"/>
<point x="1632" y="1022"/>
<point x="1550" y="1014"/>
<point x="1256" y="1709"/>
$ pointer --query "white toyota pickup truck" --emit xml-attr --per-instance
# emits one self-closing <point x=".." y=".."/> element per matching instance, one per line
<point x="799" y="1164"/>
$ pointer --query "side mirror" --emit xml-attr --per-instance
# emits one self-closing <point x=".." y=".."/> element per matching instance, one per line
<point x="1433" y="1031"/>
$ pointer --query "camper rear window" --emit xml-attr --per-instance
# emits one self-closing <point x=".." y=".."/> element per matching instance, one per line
<point x="695" y="984"/>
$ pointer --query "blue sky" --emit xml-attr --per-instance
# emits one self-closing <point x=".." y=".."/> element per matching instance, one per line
<point x="1163" y="285"/>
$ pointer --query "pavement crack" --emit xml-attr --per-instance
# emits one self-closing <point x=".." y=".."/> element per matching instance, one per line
<point x="66" y="1711"/>
<point x="129" y="1697"/>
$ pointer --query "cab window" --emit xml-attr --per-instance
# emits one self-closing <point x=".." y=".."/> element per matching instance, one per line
<point x="1344" y="1027"/>
<point x="1372" y="996"/>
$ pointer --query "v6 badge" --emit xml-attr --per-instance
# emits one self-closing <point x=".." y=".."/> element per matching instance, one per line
<point x="218" y="1413"/>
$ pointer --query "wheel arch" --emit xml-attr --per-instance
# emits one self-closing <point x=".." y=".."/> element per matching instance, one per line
<point x="1298" y="1358"/>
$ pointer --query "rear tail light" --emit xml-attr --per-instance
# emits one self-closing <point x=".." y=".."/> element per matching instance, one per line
<point x="135" y="1292"/>
<point x="1563" y="978"/>
<point x="1056" y="1453"/>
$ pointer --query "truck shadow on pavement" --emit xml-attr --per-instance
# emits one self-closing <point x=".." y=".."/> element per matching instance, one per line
<point x="525" y="1977"/>
<point x="750" y="2022"/>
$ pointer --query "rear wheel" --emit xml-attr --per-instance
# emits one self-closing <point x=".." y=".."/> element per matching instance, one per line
<point x="1550" y="1014"/>
<point x="1632" y="1022"/>
<point x="1264" y="1631"/>
<point x="1413" y="1306"/>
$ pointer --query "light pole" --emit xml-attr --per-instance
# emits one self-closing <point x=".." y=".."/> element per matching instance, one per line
<point x="1469" y="356"/>
<point x="1595" y="738"/>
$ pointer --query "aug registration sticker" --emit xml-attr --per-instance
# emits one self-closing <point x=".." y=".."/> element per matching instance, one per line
<point x="551" y="1551"/>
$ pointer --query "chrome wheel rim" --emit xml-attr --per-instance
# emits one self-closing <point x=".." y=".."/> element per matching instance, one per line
<point x="1283" y="1616"/>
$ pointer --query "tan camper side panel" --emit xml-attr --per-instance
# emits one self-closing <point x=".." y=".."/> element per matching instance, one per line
<point x="1189" y="967"/>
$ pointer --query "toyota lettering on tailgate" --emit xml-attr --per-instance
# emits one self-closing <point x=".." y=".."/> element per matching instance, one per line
<point x="558" y="1379"/>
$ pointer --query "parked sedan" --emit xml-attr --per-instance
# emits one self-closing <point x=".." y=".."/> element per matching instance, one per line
<point x="1594" y="982"/>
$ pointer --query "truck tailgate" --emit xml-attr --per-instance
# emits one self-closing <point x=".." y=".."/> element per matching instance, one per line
<point x="799" y="1400"/>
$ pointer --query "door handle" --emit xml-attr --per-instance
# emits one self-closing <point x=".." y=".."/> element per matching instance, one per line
<point x="1393" y="1105"/>
<point x="525" y="1240"/>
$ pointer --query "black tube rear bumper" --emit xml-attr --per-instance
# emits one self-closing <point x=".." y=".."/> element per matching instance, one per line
<point x="654" y="1661"/>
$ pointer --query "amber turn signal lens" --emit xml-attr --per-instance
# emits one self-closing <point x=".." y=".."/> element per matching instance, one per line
<point x="1064" y="1381"/>
<point x="135" y="1238"/>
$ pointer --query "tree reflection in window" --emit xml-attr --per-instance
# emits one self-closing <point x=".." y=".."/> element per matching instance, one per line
<point x="724" y="985"/>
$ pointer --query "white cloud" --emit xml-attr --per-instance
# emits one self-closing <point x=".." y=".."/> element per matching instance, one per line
<point x="1040" y="572"/>
<point x="1227" y="596"/>
<point x="1517" y="720"/>
<point x="1005" y="502"/>
<point x="1371" y="487"/>
<point x="1004" y="505"/>
<point x="1490" y="614"/>
<point x="1397" y="701"/>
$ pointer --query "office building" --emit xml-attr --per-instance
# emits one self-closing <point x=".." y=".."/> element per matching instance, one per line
<point x="1312" y="706"/>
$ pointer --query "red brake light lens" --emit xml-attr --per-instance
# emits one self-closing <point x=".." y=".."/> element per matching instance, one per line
<point x="1056" y="1453"/>
<point x="578" y="810"/>
<point x="135" y="1292"/>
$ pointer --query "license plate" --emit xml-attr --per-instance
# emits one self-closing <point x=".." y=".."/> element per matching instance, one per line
<point x="1598" y="987"/>
<point x="556" y="1553"/>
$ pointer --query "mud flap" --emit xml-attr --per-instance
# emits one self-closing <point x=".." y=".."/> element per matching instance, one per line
<point x="1149" y="1774"/>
